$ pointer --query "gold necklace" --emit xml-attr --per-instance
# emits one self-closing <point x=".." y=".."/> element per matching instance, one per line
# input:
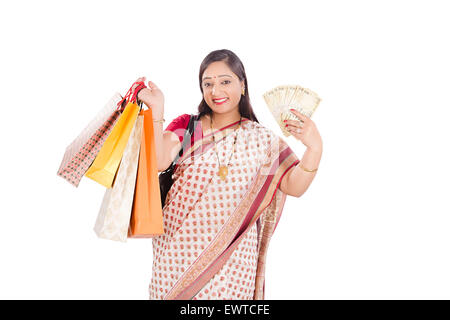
<point x="223" y="170"/>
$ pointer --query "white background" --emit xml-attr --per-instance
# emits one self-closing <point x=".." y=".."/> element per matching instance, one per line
<point x="373" y="225"/>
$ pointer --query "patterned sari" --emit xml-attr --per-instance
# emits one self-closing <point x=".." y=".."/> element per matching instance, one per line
<point x="217" y="231"/>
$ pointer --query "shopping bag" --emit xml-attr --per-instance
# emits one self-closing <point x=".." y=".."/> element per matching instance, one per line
<point x="80" y="154"/>
<point x="105" y="165"/>
<point x="114" y="216"/>
<point x="146" y="215"/>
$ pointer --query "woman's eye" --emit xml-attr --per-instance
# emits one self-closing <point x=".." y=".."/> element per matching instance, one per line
<point x="226" y="81"/>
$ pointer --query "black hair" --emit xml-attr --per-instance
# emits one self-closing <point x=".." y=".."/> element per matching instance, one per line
<point x="235" y="64"/>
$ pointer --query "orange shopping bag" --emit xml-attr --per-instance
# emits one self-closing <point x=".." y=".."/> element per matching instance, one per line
<point x="146" y="215"/>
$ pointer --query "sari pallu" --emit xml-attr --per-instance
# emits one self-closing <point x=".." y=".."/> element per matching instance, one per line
<point x="226" y="212"/>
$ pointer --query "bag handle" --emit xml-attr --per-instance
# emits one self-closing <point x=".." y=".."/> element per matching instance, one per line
<point x="187" y="135"/>
<point x="190" y="129"/>
<point x="131" y="97"/>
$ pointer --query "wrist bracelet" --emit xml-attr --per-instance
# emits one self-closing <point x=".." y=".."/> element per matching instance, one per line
<point x="307" y="170"/>
<point x="160" y="121"/>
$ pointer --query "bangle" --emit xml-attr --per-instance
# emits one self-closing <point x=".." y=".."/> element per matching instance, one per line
<point x="307" y="170"/>
<point x="160" y="121"/>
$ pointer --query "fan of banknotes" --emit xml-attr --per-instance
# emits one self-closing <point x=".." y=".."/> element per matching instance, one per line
<point x="282" y="98"/>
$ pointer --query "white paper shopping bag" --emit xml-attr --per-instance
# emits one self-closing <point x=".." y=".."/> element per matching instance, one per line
<point x="114" y="217"/>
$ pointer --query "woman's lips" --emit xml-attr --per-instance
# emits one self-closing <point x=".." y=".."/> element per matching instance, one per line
<point x="221" y="102"/>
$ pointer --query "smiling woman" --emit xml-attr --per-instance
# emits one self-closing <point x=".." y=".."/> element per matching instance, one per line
<point x="225" y="201"/>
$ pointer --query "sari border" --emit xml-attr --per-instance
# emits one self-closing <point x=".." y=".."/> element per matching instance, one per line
<point x="169" y="295"/>
<point x="249" y="219"/>
<point x="263" y="189"/>
<point x="221" y="260"/>
<point x="226" y="127"/>
<point x="200" y="142"/>
<point x="266" y="231"/>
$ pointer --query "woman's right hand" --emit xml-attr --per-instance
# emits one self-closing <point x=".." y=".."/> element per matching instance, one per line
<point x="152" y="97"/>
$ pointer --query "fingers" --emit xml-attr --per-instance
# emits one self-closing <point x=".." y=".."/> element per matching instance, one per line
<point x="152" y="85"/>
<point x="141" y="79"/>
<point x="299" y="115"/>
<point x="293" y="123"/>
<point x="294" y="130"/>
<point x="294" y="127"/>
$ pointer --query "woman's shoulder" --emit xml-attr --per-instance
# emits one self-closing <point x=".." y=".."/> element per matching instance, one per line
<point x="179" y="122"/>
<point x="179" y="125"/>
<point x="260" y="131"/>
<point x="183" y="117"/>
<point x="267" y="140"/>
<point x="260" y="136"/>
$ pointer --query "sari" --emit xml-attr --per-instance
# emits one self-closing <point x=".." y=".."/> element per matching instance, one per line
<point x="217" y="232"/>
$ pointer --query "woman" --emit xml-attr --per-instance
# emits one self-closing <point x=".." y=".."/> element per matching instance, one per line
<point x="230" y="186"/>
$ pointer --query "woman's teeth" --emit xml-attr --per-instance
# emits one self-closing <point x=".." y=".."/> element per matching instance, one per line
<point x="220" y="101"/>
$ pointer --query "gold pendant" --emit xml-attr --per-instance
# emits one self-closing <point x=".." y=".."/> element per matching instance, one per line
<point x="223" y="171"/>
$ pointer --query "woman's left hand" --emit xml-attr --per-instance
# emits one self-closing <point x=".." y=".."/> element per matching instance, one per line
<point x="304" y="130"/>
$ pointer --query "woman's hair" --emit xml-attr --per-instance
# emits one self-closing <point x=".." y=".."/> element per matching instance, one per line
<point x="235" y="64"/>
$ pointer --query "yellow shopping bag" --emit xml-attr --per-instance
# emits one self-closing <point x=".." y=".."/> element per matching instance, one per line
<point x="105" y="165"/>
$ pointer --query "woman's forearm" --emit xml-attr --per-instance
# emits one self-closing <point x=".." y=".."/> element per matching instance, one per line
<point x="159" y="142"/>
<point x="299" y="179"/>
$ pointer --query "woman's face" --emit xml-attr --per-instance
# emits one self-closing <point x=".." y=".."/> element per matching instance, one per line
<point x="218" y="81"/>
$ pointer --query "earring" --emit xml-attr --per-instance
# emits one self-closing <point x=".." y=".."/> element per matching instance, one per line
<point x="243" y="91"/>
